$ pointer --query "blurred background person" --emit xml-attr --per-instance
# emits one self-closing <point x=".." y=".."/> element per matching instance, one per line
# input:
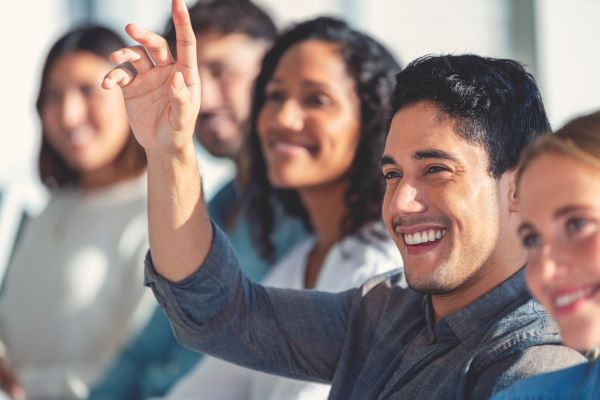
<point x="558" y="186"/>
<point x="74" y="290"/>
<point x="316" y="136"/>
<point x="232" y="38"/>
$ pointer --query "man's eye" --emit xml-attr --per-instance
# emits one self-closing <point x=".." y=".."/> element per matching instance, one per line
<point x="531" y="240"/>
<point x="435" y="169"/>
<point x="390" y="175"/>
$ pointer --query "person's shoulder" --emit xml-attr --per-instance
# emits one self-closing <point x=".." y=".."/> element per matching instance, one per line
<point x="225" y="195"/>
<point x="359" y="257"/>
<point x="549" y="357"/>
<point x="527" y="332"/>
<point x="522" y="323"/>
<point x="391" y="279"/>
<point x="524" y="361"/>
<point x="222" y="202"/>
<point x="559" y="384"/>
<point x="130" y="190"/>
<point x="285" y="272"/>
<point x="387" y="302"/>
<point x="523" y="341"/>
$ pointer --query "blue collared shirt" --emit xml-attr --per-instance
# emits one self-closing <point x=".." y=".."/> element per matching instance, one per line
<point x="379" y="341"/>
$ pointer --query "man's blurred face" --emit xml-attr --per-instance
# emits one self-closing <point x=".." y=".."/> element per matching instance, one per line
<point x="228" y="65"/>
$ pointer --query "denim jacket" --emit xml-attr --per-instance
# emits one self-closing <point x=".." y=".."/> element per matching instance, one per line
<point x="379" y="341"/>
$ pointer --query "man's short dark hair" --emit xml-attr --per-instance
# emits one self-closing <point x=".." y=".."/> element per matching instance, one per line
<point x="227" y="17"/>
<point x="492" y="102"/>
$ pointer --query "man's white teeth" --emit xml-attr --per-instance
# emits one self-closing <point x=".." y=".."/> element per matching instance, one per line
<point x="570" y="298"/>
<point x="429" y="235"/>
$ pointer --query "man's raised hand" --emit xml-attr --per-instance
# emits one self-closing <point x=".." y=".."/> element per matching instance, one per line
<point x="163" y="97"/>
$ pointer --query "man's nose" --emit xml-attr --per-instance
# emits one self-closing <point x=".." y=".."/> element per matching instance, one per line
<point x="406" y="199"/>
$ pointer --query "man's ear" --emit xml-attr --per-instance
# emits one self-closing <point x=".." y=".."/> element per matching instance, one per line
<point x="513" y="205"/>
<point x="508" y="192"/>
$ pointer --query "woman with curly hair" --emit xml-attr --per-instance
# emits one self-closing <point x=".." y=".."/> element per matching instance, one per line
<point x="317" y="132"/>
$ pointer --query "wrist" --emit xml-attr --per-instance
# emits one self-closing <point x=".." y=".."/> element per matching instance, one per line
<point x="182" y="156"/>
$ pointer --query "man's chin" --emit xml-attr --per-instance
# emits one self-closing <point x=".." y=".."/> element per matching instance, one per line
<point x="225" y="153"/>
<point x="431" y="289"/>
<point x="430" y="284"/>
<point x="221" y="148"/>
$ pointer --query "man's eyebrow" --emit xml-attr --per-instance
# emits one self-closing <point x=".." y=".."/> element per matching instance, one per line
<point x="434" y="153"/>
<point x="387" y="160"/>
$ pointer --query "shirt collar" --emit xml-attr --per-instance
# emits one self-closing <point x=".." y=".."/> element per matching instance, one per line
<point x="478" y="315"/>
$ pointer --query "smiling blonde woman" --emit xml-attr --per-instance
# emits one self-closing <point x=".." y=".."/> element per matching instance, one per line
<point x="559" y="199"/>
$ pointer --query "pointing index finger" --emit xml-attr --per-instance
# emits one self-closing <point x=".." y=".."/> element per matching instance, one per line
<point x="186" y="42"/>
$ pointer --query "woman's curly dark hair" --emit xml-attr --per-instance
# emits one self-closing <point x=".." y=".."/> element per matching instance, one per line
<point x="373" y="69"/>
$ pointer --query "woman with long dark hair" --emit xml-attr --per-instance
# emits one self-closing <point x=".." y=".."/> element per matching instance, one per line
<point x="74" y="293"/>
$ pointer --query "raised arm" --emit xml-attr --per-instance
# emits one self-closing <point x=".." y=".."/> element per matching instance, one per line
<point x="215" y="310"/>
<point x="162" y="101"/>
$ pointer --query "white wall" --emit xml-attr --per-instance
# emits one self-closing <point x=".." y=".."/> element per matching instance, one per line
<point x="417" y="27"/>
<point x="28" y="30"/>
<point x="568" y="39"/>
